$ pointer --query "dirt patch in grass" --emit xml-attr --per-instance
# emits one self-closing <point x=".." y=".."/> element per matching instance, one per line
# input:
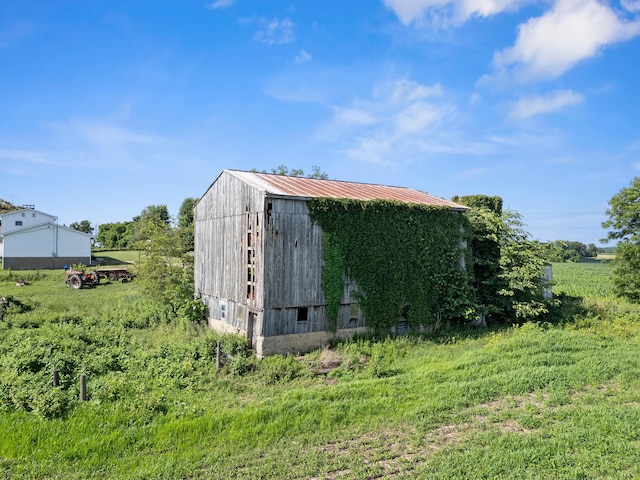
<point x="395" y="453"/>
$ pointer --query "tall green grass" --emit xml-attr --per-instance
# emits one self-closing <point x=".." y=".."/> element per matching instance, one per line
<point x="536" y="401"/>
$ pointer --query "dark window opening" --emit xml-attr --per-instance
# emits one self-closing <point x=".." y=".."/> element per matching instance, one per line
<point x="303" y="314"/>
<point x="354" y="313"/>
<point x="269" y="211"/>
<point x="18" y="223"/>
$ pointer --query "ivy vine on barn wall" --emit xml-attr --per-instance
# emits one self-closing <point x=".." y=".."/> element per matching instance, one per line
<point x="402" y="256"/>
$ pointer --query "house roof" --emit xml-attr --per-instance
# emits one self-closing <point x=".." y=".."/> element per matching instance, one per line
<point x="23" y="210"/>
<point x="299" y="187"/>
<point x="41" y="226"/>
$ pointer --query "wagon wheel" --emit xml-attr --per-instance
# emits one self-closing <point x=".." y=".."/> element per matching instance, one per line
<point x="75" y="281"/>
<point x="95" y="277"/>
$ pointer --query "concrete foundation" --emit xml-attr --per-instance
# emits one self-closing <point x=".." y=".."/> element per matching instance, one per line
<point x="34" y="263"/>
<point x="283" y="344"/>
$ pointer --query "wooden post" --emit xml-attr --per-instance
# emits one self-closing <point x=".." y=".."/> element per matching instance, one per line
<point x="218" y="354"/>
<point x="56" y="377"/>
<point x="83" y="388"/>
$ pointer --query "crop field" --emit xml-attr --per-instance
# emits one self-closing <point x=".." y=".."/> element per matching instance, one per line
<point x="539" y="400"/>
<point x="588" y="279"/>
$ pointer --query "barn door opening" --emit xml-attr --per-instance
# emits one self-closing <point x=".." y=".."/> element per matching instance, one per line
<point x="402" y="327"/>
<point x="251" y="320"/>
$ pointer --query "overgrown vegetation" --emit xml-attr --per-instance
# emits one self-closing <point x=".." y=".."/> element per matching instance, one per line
<point x="405" y="258"/>
<point x="508" y="265"/>
<point x="409" y="260"/>
<point x="624" y="226"/>
<point x="551" y="399"/>
<point x="462" y="403"/>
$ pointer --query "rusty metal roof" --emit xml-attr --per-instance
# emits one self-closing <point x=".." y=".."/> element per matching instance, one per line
<point x="311" y="188"/>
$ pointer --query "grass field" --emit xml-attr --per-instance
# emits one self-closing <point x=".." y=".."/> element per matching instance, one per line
<point x="537" y="401"/>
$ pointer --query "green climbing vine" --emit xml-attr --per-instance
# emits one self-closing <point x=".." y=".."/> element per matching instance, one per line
<point x="403" y="257"/>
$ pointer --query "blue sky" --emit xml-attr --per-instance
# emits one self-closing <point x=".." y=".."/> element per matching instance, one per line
<point x="108" y="107"/>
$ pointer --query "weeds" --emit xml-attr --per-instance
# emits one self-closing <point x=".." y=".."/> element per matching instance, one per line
<point x="553" y="399"/>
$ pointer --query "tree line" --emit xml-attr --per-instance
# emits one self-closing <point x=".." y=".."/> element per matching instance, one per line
<point x="505" y="258"/>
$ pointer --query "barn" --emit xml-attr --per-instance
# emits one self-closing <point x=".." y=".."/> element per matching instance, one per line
<point x="259" y="258"/>
<point x="30" y="239"/>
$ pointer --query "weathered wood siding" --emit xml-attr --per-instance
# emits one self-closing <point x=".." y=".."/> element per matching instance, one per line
<point x="262" y="254"/>
<point x="292" y="255"/>
<point x="293" y="273"/>
<point x="223" y="218"/>
<point x="284" y="321"/>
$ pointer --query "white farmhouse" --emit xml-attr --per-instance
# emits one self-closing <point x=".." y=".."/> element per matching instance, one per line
<point x="30" y="239"/>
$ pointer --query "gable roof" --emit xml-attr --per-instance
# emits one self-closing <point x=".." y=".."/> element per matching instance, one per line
<point x="41" y="226"/>
<point x="307" y="188"/>
<point x="24" y="210"/>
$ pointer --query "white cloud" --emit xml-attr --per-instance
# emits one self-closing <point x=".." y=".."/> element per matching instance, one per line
<point x="573" y="30"/>
<point x="303" y="57"/>
<point x="275" y="32"/>
<point x="444" y="12"/>
<point x="353" y="116"/>
<point x="105" y="134"/>
<point x="540" y="104"/>
<point x="402" y="118"/>
<point x="25" y="156"/>
<point x="220" y="4"/>
<point x="474" y="172"/>
<point x="407" y="91"/>
<point x="631" y="5"/>
<point x="416" y="117"/>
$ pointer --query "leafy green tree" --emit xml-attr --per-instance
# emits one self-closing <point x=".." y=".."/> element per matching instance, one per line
<point x="296" y="172"/>
<point x="626" y="273"/>
<point x="624" y="214"/>
<point x="508" y="265"/>
<point x="115" y="235"/>
<point x="566" y="251"/>
<point x="82" y="226"/>
<point x="166" y="270"/>
<point x="6" y="206"/>
<point x="485" y="217"/>
<point x="158" y="214"/>
<point x="624" y="226"/>
<point x="317" y="173"/>
<point x="522" y="264"/>
<point x="160" y="268"/>
<point x="284" y="170"/>
<point x="185" y="224"/>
